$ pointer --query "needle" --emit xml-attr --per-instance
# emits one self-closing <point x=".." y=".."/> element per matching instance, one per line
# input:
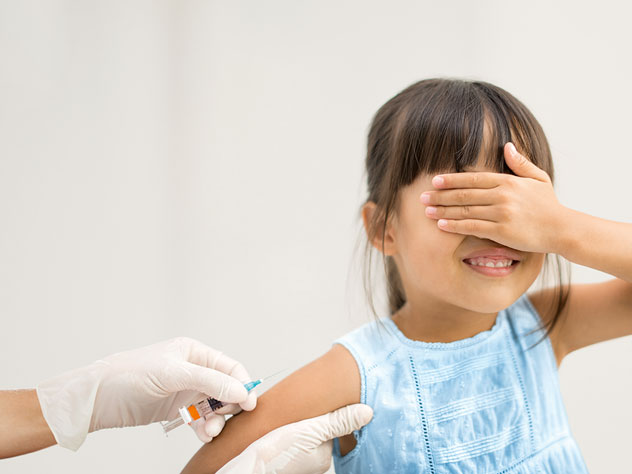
<point x="250" y="385"/>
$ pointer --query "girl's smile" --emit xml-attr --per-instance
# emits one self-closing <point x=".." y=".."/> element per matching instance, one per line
<point x="494" y="262"/>
<point x="492" y="267"/>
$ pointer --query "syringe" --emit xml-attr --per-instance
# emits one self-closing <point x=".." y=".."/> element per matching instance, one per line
<point x="205" y="407"/>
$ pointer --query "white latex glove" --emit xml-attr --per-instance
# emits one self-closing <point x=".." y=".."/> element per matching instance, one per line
<point x="140" y="386"/>
<point x="303" y="447"/>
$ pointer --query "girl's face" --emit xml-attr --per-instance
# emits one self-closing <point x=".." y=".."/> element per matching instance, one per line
<point x="446" y="297"/>
<point x="431" y="266"/>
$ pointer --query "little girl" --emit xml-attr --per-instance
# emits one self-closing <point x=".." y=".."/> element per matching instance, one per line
<point x="460" y="374"/>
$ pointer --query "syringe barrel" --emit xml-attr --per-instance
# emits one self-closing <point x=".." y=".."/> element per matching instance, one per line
<point x="205" y="407"/>
<point x="200" y="409"/>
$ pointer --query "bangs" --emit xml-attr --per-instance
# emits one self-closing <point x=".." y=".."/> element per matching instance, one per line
<point x="447" y="127"/>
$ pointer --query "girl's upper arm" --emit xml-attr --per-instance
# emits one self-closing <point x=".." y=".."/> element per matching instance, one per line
<point x="329" y="382"/>
<point x="595" y="312"/>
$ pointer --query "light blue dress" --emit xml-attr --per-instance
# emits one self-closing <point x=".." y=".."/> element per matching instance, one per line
<point x="478" y="405"/>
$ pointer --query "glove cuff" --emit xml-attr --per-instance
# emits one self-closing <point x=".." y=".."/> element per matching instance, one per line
<point x="248" y="461"/>
<point x="67" y="402"/>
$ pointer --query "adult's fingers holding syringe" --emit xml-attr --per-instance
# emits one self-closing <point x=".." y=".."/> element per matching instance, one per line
<point x="208" y="427"/>
<point x="208" y="406"/>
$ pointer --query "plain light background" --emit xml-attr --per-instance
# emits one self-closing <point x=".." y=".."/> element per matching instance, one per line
<point x="195" y="168"/>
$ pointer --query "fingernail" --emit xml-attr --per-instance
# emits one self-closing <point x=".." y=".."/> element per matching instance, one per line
<point x="442" y="222"/>
<point x="425" y="198"/>
<point x="512" y="148"/>
<point x="431" y="210"/>
<point x="437" y="181"/>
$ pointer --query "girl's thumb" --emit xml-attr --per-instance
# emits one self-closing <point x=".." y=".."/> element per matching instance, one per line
<point x="518" y="159"/>
<point x="523" y="167"/>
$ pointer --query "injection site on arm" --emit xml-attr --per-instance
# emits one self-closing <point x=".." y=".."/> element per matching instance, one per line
<point x="325" y="384"/>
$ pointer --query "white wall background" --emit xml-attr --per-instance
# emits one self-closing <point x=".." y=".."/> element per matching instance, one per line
<point x="195" y="168"/>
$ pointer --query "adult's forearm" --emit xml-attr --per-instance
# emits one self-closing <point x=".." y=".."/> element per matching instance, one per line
<point x="598" y="243"/>
<point x="23" y="428"/>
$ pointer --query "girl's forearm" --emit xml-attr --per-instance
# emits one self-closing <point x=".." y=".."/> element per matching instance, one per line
<point x="597" y="243"/>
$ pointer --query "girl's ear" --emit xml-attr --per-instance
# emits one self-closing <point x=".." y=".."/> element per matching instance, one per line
<point x="368" y="212"/>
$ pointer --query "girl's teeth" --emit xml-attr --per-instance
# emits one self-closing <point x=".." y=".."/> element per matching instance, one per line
<point x="490" y="263"/>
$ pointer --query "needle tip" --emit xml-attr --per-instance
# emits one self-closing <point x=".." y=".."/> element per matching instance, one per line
<point x="274" y="374"/>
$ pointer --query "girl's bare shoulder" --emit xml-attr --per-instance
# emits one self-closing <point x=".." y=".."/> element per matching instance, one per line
<point x="328" y="382"/>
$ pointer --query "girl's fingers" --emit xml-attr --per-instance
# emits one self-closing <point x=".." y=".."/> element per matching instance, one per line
<point x="459" y="197"/>
<point x="468" y="180"/>
<point x="478" y="228"/>
<point x="488" y="213"/>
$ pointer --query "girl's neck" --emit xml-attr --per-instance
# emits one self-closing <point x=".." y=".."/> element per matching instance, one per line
<point x="441" y="323"/>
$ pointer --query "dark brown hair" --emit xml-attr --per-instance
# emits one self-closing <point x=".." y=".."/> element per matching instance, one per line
<point x="437" y="126"/>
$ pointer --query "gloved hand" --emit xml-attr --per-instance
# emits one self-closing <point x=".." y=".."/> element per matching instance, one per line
<point x="303" y="447"/>
<point x="140" y="386"/>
